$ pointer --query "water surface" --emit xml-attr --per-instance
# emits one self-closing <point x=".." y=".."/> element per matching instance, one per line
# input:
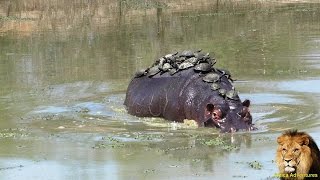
<point x="64" y="73"/>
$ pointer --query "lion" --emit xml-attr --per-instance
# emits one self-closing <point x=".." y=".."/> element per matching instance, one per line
<point x="297" y="156"/>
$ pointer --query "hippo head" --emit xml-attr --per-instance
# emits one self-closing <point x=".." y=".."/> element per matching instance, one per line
<point x="233" y="117"/>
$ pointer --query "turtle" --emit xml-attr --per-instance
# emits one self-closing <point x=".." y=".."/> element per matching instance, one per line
<point x="140" y="73"/>
<point x="199" y="50"/>
<point x="203" y="67"/>
<point x="175" y="65"/>
<point x="153" y="71"/>
<point x="211" y="77"/>
<point x="161" y="61"/>
<point x="206" y="56"/>
<point x="232" y="94"/>
<point x="199" y="56"/>
<point x="180" y="59"/>
<point x="211" y="61"/>
<point x="185" y="65"/>
<point x="166" y="67"/>
<point x="171" y="57"/>
<point x="222" y="92"/>
<point x="173" y="71"/>
<point x="193" y="60"/>
<point x="215" y="86"/>
<point x="187" y="53"/>
<point x="225" y="73"/>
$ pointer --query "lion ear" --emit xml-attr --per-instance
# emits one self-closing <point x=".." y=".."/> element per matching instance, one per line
<point x="280" y="140"/>
<point x="304" y="140"/>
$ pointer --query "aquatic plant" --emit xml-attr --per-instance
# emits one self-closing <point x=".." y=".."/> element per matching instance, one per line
<point x="255" y="165"/>
<point x="142" y="4"/>
<point x="219" y="142"/>
<point x="13" y="133"/>
<point x="110" y="143"/>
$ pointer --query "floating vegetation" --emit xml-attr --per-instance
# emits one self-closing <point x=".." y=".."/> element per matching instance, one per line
<point x="13" y="18"/>
<point x="255" y="165"/>
<point x="190" y="123"/>
<point x="219" y="142"/>
<point x="263" y="139"/>
<point x="178" y="148"/>
<point x="83" y="110"/>
<point x="13" y="133"/>
<point x="142" y="4"/>
<point x="111" y="143"/>
<point x="148" y="137"/>
<point x="104" y="145"/>
<point x="196" y="160"/>
<point x="149" y="171"/>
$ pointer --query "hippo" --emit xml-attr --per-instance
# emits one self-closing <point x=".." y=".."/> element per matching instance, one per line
<point x="187" y="85"/>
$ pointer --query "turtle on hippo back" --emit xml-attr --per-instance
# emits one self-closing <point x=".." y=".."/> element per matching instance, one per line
<point x="187" y="85"/>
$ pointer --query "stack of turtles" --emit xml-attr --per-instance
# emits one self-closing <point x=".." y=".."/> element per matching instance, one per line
<point x="201" y="63"/>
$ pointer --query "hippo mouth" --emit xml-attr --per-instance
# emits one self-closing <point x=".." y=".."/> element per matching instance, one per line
<point x="218" y="123"/>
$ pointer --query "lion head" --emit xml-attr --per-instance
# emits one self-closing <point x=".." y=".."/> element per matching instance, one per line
<point x="297" y="153"/>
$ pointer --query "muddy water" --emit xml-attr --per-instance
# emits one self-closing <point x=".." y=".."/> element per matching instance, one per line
<point x="64" y="73"/>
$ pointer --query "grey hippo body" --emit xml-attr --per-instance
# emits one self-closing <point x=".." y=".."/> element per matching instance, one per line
<point x="201" y="94"/>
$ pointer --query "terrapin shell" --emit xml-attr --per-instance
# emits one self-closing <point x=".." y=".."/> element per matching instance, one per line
<point x="140" y="73"/>
<point x="199" y="56"/>
<point x="166" y="67"/>
<point x="153" y="71"/>
<point x="173" y="71"/>
<point x="203" y="67"/>
<point x="222" y="92"/>
<point x="161" y="61"/>
<point x="185" y="65"/>
<point x="211" y="61"/>
<point x="225" y="72"/>
<point x="170" y="57"/>
<point x="180" y="59"/>
<point x="206" y="56"/>
<point x="187" y="53"/>
<point x="192" y="60"/>
<point x="232" y="94"/>
<point x="211" y="77"/>
<point x="215" y="86"/>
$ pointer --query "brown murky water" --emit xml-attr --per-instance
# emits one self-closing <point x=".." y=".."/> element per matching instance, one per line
<point x="65" y="66"/>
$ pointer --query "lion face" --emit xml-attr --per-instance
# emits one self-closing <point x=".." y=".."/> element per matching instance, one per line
<point x="293" y="154"/>
<point x="290" y="154"/>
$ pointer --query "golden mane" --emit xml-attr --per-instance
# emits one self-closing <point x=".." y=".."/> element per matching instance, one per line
<point x="297" y="155"/>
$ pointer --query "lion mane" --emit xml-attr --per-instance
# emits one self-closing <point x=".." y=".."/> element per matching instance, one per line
<point x="297" y="154"/>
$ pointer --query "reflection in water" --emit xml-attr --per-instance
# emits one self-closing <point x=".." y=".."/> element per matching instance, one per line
<point x="65" y="66"/>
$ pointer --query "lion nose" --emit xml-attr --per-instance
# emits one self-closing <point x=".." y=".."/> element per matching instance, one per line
<point x="287" y="160"/>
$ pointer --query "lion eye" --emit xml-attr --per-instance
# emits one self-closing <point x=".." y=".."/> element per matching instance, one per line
<point x="296" y="150"/>
<point x="284" y="149"/>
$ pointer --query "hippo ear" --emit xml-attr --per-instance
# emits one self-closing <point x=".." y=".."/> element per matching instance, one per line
<point x="246" y="103"/>
<point x="210" y="107"/>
